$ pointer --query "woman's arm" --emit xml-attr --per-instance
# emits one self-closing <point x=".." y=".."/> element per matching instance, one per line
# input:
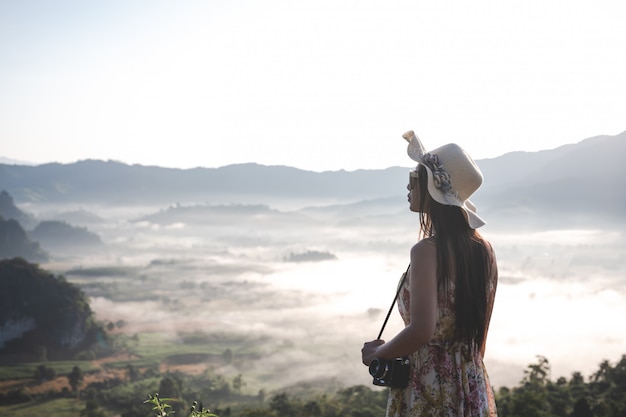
<point x="423" y="308"/>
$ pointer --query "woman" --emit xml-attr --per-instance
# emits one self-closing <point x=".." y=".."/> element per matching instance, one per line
<point x="447" y="298"/>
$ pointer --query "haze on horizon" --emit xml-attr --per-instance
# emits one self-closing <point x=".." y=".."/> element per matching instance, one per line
<point x="317" y="85"/>
<point x="191" y="268"/>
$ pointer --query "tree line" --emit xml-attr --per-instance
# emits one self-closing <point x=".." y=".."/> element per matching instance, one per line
<point x="537" y="395"/>
<point x="602" y="394"/>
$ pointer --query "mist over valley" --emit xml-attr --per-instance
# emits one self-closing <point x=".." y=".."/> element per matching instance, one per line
<point x="294" y="270"/>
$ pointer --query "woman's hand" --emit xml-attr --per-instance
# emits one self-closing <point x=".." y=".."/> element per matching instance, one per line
<point x="368" y="353"/>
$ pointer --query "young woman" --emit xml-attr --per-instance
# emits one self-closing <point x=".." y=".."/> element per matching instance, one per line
<point x="447" y="297"/>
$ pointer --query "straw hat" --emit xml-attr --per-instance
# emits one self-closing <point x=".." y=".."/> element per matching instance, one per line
<point x="453" y="176"/>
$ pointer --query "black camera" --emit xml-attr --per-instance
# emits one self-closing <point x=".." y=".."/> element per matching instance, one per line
<point x="392" y="373"/>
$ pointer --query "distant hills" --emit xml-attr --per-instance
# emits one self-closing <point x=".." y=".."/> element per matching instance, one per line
<point x="14" y="242"/>
<point x="580" y="183"/>
<point x="60" y="236"/>
<point x="10" y="161"/>
<point x="115" y="183"/>
<point x="9" y="210"/>
<point x="568" y="183"/>
<point x="17" y="240"/>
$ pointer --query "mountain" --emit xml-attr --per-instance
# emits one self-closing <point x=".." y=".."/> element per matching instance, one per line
<point x="600" y="153"/>
<point x="15" y="242"/>
<point x="114" y="183"/>
<point x="58" y="236"/>
<point x="10" y="161"/>
<point x="572" y="183"/>
<point x="9" y="210"/>
<point x="40" y="312"/>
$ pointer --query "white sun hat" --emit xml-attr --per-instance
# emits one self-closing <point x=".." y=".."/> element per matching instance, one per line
<point x="453" y="176"/>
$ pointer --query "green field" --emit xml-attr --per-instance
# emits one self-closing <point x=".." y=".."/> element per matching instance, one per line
<point x="26" y="370"/>
<point x="61" y="407"/>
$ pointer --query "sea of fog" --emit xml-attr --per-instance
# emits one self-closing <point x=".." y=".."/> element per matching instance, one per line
<point x="561" y="293"/>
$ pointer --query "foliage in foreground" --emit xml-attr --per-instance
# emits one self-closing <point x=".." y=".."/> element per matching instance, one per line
<point x="356" y="401"/>
<point x="162" y="407"/>
<point x="604" y="395"/>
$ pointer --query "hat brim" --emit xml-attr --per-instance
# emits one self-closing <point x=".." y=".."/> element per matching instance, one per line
<point x="469" y="209"/>
<point x="472" y="218"/>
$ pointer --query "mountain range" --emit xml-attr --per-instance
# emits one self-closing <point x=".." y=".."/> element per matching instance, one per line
<point x="579" y="182"/>
<point x="582" y="179"/>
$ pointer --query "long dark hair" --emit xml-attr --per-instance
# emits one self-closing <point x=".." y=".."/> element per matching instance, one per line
<point x="460" y="251"/>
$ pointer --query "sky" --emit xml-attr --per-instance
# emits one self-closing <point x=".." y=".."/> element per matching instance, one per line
<point x="318" y="85"/>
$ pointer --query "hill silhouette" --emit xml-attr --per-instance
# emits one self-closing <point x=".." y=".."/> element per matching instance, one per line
<point x="570" y="183"/>
<point x="53" y="235"/>
<point x="40" y="312"/>
<point x="114" y="183"/>
<point x="58" y="235"/>
<point x="558" y="185"/>
<point x="9" y="210"/>
<point x="14" y="242"/>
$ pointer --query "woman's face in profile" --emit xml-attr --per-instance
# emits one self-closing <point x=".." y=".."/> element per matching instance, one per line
<point x="414" y="191"/>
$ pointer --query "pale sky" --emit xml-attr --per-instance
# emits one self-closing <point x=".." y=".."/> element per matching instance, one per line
<point x="318" y="85"/>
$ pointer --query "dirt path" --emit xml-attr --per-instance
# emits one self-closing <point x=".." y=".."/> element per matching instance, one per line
<point x="31" y="386"/>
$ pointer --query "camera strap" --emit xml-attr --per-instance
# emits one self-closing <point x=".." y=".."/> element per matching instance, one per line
<point x="394" y="301"/>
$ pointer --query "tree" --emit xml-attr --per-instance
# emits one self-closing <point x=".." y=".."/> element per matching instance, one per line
<point x="582" y="409"/>
<point x="169" y="388"/>
<point x="261" y="395"/>
<point x="312" y="409"/>
<point x="132" y="372"/>
<point x="92" y="409"/>
<point x="538" y="373"/>
<point x="362" y="401"/>
<point x="603" y="396"/>
<point x="227" y="356"/>
<point x="577" y="385"/>
<point x="75" y="378"/>
<point x="44" y="373"/>
<point x="172" y="388"/>
<point x="238" y="383"/>
<point x="257" y="413"/>
<point x="281" y="405"/>
<point x="531" y="398"/>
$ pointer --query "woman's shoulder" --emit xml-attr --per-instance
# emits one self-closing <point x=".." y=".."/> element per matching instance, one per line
<point x="424" y="248"/>
<point x="430" y="241"/>
<point x="493" y="263"/>
<point x="490" y="249"/>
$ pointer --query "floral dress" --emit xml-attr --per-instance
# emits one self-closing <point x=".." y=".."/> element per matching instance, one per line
<point x="446" y="378"/>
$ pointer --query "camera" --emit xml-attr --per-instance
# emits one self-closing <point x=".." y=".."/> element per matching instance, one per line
<point x="392" y="373"/>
